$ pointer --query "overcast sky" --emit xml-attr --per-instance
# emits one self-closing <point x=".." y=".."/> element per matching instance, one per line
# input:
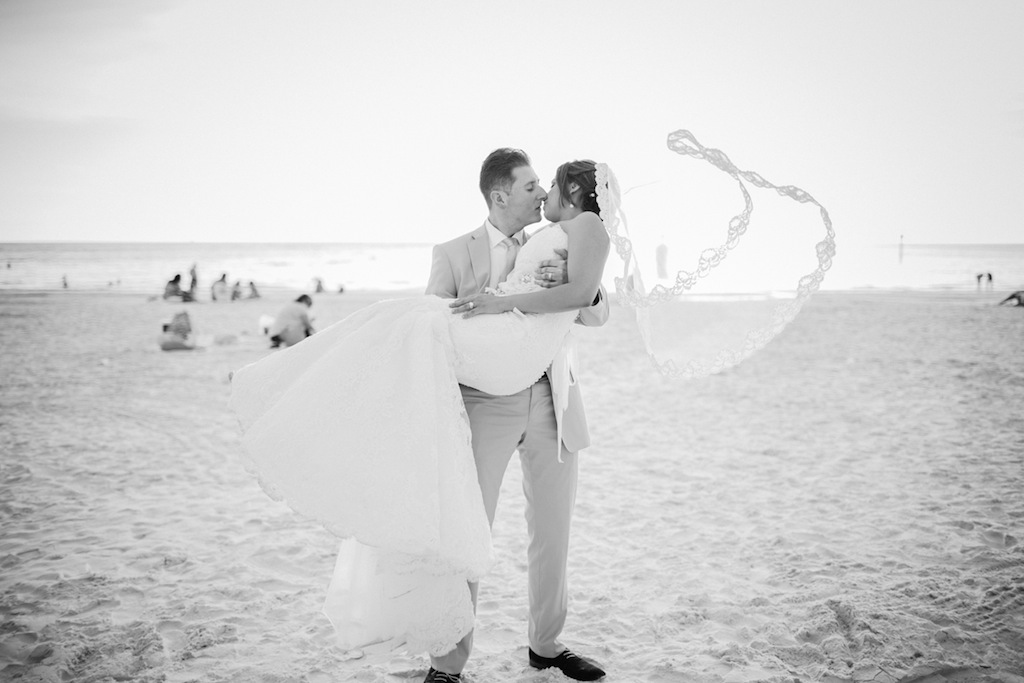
<point x="367" y="120"/>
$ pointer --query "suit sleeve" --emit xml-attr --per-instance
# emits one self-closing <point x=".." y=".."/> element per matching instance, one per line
<point x="596" y="315"/>
<point x="442" y="278"/>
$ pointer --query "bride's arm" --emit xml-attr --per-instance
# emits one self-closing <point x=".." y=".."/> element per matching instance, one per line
<point x="588" y="244"/>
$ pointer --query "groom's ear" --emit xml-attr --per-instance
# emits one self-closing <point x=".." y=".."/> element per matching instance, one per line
<point x="499" y="198"/>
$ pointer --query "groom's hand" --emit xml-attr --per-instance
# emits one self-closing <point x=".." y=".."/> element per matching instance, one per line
<point x="480" y="304"/>
<point x="553" y="272"/>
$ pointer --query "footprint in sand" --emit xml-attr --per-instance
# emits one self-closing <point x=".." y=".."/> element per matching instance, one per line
<point x="172" y="634"/>
<point x="963" y="676"/>
<point x="998" y="539"/>
<point x="129" y="605"/>
<point x="23" y="648"/>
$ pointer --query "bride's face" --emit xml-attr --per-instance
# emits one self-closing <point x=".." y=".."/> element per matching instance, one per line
<point x="553" y="206"/>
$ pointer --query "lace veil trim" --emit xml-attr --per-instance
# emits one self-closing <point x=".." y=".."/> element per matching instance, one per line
<point x="630" y="288"/>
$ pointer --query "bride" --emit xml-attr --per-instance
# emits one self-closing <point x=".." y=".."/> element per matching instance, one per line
<point x="362" y="426"/>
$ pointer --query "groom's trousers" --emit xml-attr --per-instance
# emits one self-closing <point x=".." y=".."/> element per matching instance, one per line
<point x="526" y="422"/>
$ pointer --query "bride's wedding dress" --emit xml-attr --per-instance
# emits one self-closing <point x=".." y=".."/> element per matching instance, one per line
<point x="362" y="427"/>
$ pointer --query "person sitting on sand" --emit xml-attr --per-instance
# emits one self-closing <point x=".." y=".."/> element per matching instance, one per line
<point x="236" y="290"/>
<point x="292" y="323"/>
<point x="176" y="335"/>
<point x="1017" y="297"/>
<point x="173" y="290"/>
<point x="253" y="292"/>
<point x="219" y="289"/>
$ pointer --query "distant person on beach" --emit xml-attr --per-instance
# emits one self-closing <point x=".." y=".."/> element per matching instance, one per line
<point x="661" y="256"/>
<point x="64" y="281"/>
<point x="173" y="290"/>
<point x="194" y="284"/>
<point x="236" y="290"/>
<point x="319" y="286"/>
<point x="176" y="335"/>
<point x="979" y="276"/>
<point x="1017" y="297"/>
<point x="219" y="289"/>
<point x="988" y="286"/>
<point x="253" y="292"/>
<point x="292" y="323"/>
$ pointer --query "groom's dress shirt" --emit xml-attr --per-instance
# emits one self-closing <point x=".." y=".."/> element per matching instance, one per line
<point x="499" y="252"/>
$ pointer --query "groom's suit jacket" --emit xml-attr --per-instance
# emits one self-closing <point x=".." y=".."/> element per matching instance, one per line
<point x="462" y="267"/>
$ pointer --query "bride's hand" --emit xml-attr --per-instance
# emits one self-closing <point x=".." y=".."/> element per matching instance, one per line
<point x="480" y="304"/>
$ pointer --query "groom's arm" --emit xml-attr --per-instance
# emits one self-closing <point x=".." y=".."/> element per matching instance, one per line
<point x="442" y="278"/>
<point x="597" y="314"/>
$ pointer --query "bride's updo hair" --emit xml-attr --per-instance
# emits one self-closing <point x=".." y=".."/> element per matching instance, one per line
<point x="583" y="173"/>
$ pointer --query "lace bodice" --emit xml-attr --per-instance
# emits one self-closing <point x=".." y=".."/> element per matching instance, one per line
<point x="540" y="247"/>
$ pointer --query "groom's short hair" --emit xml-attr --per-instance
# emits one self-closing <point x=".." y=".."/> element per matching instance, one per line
<point x="496" y="171"/>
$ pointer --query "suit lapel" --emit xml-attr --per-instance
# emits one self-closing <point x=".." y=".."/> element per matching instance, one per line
<point x="480" y="256"/>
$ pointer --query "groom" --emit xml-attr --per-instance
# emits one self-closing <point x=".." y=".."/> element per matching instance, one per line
<point x="523" y="422"/>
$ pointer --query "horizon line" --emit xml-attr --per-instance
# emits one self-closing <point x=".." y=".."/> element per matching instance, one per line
<point x="313" y="242"/>
<point x="209" y="242"/>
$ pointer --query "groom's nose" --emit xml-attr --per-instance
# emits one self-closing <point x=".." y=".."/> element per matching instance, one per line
<point x="543" y="195"/>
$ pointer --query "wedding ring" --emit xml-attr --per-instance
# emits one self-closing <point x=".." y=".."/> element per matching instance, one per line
<point x="471" y="304"/>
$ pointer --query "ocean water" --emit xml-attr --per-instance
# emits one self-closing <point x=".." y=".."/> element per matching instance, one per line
<point x="927" y="266"/>
<point x="146" y="267"/>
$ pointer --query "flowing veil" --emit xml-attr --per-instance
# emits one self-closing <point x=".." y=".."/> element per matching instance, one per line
<point x="667" y="314"/>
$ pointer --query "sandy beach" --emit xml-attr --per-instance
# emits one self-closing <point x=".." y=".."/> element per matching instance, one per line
<point x="847" y="505"/>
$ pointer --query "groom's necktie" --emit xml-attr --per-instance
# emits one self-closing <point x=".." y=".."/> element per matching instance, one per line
<point x="511" y="251"/>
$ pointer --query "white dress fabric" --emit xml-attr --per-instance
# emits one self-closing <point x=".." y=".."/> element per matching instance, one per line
<point x="362" y="427"/>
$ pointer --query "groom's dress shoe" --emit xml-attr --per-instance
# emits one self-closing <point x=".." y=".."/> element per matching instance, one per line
<point x="571" y="665"/>
<point x="435" y="676"/>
